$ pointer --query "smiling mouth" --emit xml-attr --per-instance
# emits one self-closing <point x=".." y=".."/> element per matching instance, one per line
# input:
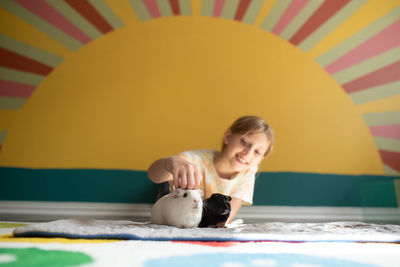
<point x="241" y="160"/>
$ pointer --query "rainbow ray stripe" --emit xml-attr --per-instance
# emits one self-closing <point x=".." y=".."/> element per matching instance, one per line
<point x="366" y="64"/>
<point x="364" y="61"/>
<point x="151" y="9"/>
<point x="385" y="127"/>
<point x="23" y="67"/>
<point x="239" y="10"/>
<point x="71" y="23"/>
<point x="2" y="137"/>
<point x="304" y="23"/>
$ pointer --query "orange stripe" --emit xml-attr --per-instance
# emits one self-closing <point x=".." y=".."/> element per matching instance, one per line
<point x="91" y="14"/>
<point x="13" y="60"/>
<point x="392" y="159"/>
<point x="175" y="7"/>
<point x="241" y="10"/>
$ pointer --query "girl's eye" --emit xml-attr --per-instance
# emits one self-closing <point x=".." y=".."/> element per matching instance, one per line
<point x="243" y="141"/>
<point x="258" y="153"/>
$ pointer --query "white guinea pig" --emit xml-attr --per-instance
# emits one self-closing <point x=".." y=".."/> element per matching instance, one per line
<point x="181" y="208"/>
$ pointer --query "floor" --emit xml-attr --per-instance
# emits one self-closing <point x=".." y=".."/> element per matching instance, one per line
<point x="83" y="252"/>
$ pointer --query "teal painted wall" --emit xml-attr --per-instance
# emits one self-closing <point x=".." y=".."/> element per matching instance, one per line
<point x="122" y="186"/>
<point x="120" y="100"/>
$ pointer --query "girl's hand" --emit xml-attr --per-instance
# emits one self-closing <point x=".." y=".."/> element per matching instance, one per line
<point x="185" y="174"/>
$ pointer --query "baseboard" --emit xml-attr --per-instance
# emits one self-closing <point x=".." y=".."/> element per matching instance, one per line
<point x="34" y="211"/>
<point x="319" y="214"/>
<point x="43" y="211"/>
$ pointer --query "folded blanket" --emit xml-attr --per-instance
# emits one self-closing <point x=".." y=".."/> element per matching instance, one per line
<point x="274" y="231"/>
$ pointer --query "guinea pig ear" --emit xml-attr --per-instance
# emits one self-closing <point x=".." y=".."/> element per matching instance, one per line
<point x="200" y="192"/>
<point x="229" y="198"/>
<point x="175" y="193"/>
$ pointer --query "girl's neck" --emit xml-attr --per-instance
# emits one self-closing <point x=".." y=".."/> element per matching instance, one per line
<point x="222" y="167"/>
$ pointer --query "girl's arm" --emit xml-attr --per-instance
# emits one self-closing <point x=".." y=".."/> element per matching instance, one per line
<point x="183" y="173"/>
<point x="157" y="171"/>
<point x="236" y="203"/>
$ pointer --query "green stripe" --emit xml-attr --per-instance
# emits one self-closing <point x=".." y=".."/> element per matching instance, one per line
<point x="378" y="194"/>
<point x="186" y="8"/>
<point x="207" y="7"/>
<point x="229" y="10"/>
<point x="376" y="93"/>
<point x="391" y="171"/>
<point x="110" y="186"/>
<point x="123" y="186"/>
<point x="11" y="102"/>
<point x="20" y="76"/>
<point x="29" y="51"/>
<point x="41" y="25"/>
<point x="77" y="19"/>
<point x="165" y="8"/>
<point x="368" y="66"/>
<point x="11" y="225"/>
<point x="140" y="10"/>
<point x="387" y="144"/>
<point x="330" y="25"/>
<point x="382" y="118"/>
<point x="274" y="15"/>
<point x="300" y="19"/>
<point x="252" y="11"/>
<point x="310" y="189"/>
<point x="107" y="13"/>
<point x="359" y="38"/>
<point x="2" y="136"/>
<point x="397" y="188"/>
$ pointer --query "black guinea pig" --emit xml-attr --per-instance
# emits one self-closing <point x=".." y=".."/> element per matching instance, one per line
<point x="216" y="210"/>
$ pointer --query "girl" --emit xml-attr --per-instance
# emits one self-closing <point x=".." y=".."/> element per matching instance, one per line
<point x="230" y="171"/>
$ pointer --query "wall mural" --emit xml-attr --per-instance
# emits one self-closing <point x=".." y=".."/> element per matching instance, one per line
<point x="358" y="48"/>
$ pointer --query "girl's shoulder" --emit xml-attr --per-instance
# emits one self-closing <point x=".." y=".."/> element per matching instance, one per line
<point x="199" y="155"/>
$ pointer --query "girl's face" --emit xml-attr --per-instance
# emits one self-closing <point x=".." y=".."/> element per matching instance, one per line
<point x="245" y="151"/>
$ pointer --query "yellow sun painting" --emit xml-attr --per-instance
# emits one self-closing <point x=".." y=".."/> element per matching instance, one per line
<point x="117" y="84"/>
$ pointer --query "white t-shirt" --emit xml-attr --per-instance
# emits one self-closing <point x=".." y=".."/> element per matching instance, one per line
<point x="241" y="186"/>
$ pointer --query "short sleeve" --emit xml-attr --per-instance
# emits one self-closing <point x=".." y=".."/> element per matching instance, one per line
<point x="193" y="157"/>
<point x="244" y="190"/>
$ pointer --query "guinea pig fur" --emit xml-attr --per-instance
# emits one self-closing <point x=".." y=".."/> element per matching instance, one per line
<point x="216" y="211"/>
<point x="181" y="208"/>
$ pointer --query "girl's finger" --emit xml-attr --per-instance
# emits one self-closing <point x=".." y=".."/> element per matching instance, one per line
<point x="176" y="179"/>
<point x="183" y="179"/>
<point x="198" y="176"/>
<point x="190" y="178"/>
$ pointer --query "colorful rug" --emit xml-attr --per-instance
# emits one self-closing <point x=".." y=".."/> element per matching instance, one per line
<point x="46" y="252"/>
<point x="288" y="232"/>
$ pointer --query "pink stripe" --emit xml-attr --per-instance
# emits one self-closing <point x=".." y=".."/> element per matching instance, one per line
<point x="51" y="15"/>
<point x="13" y="89"/>
<point x="294" y="8"/>
<point x="385" y="40"/>
<point x="389" y="131"/>
<point x="384" y="75"/>
<point x="218" y="6"/>
<point x="152" y="7"/>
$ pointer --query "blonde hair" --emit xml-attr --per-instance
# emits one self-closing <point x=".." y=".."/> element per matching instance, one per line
<point x="252" y="124"/>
